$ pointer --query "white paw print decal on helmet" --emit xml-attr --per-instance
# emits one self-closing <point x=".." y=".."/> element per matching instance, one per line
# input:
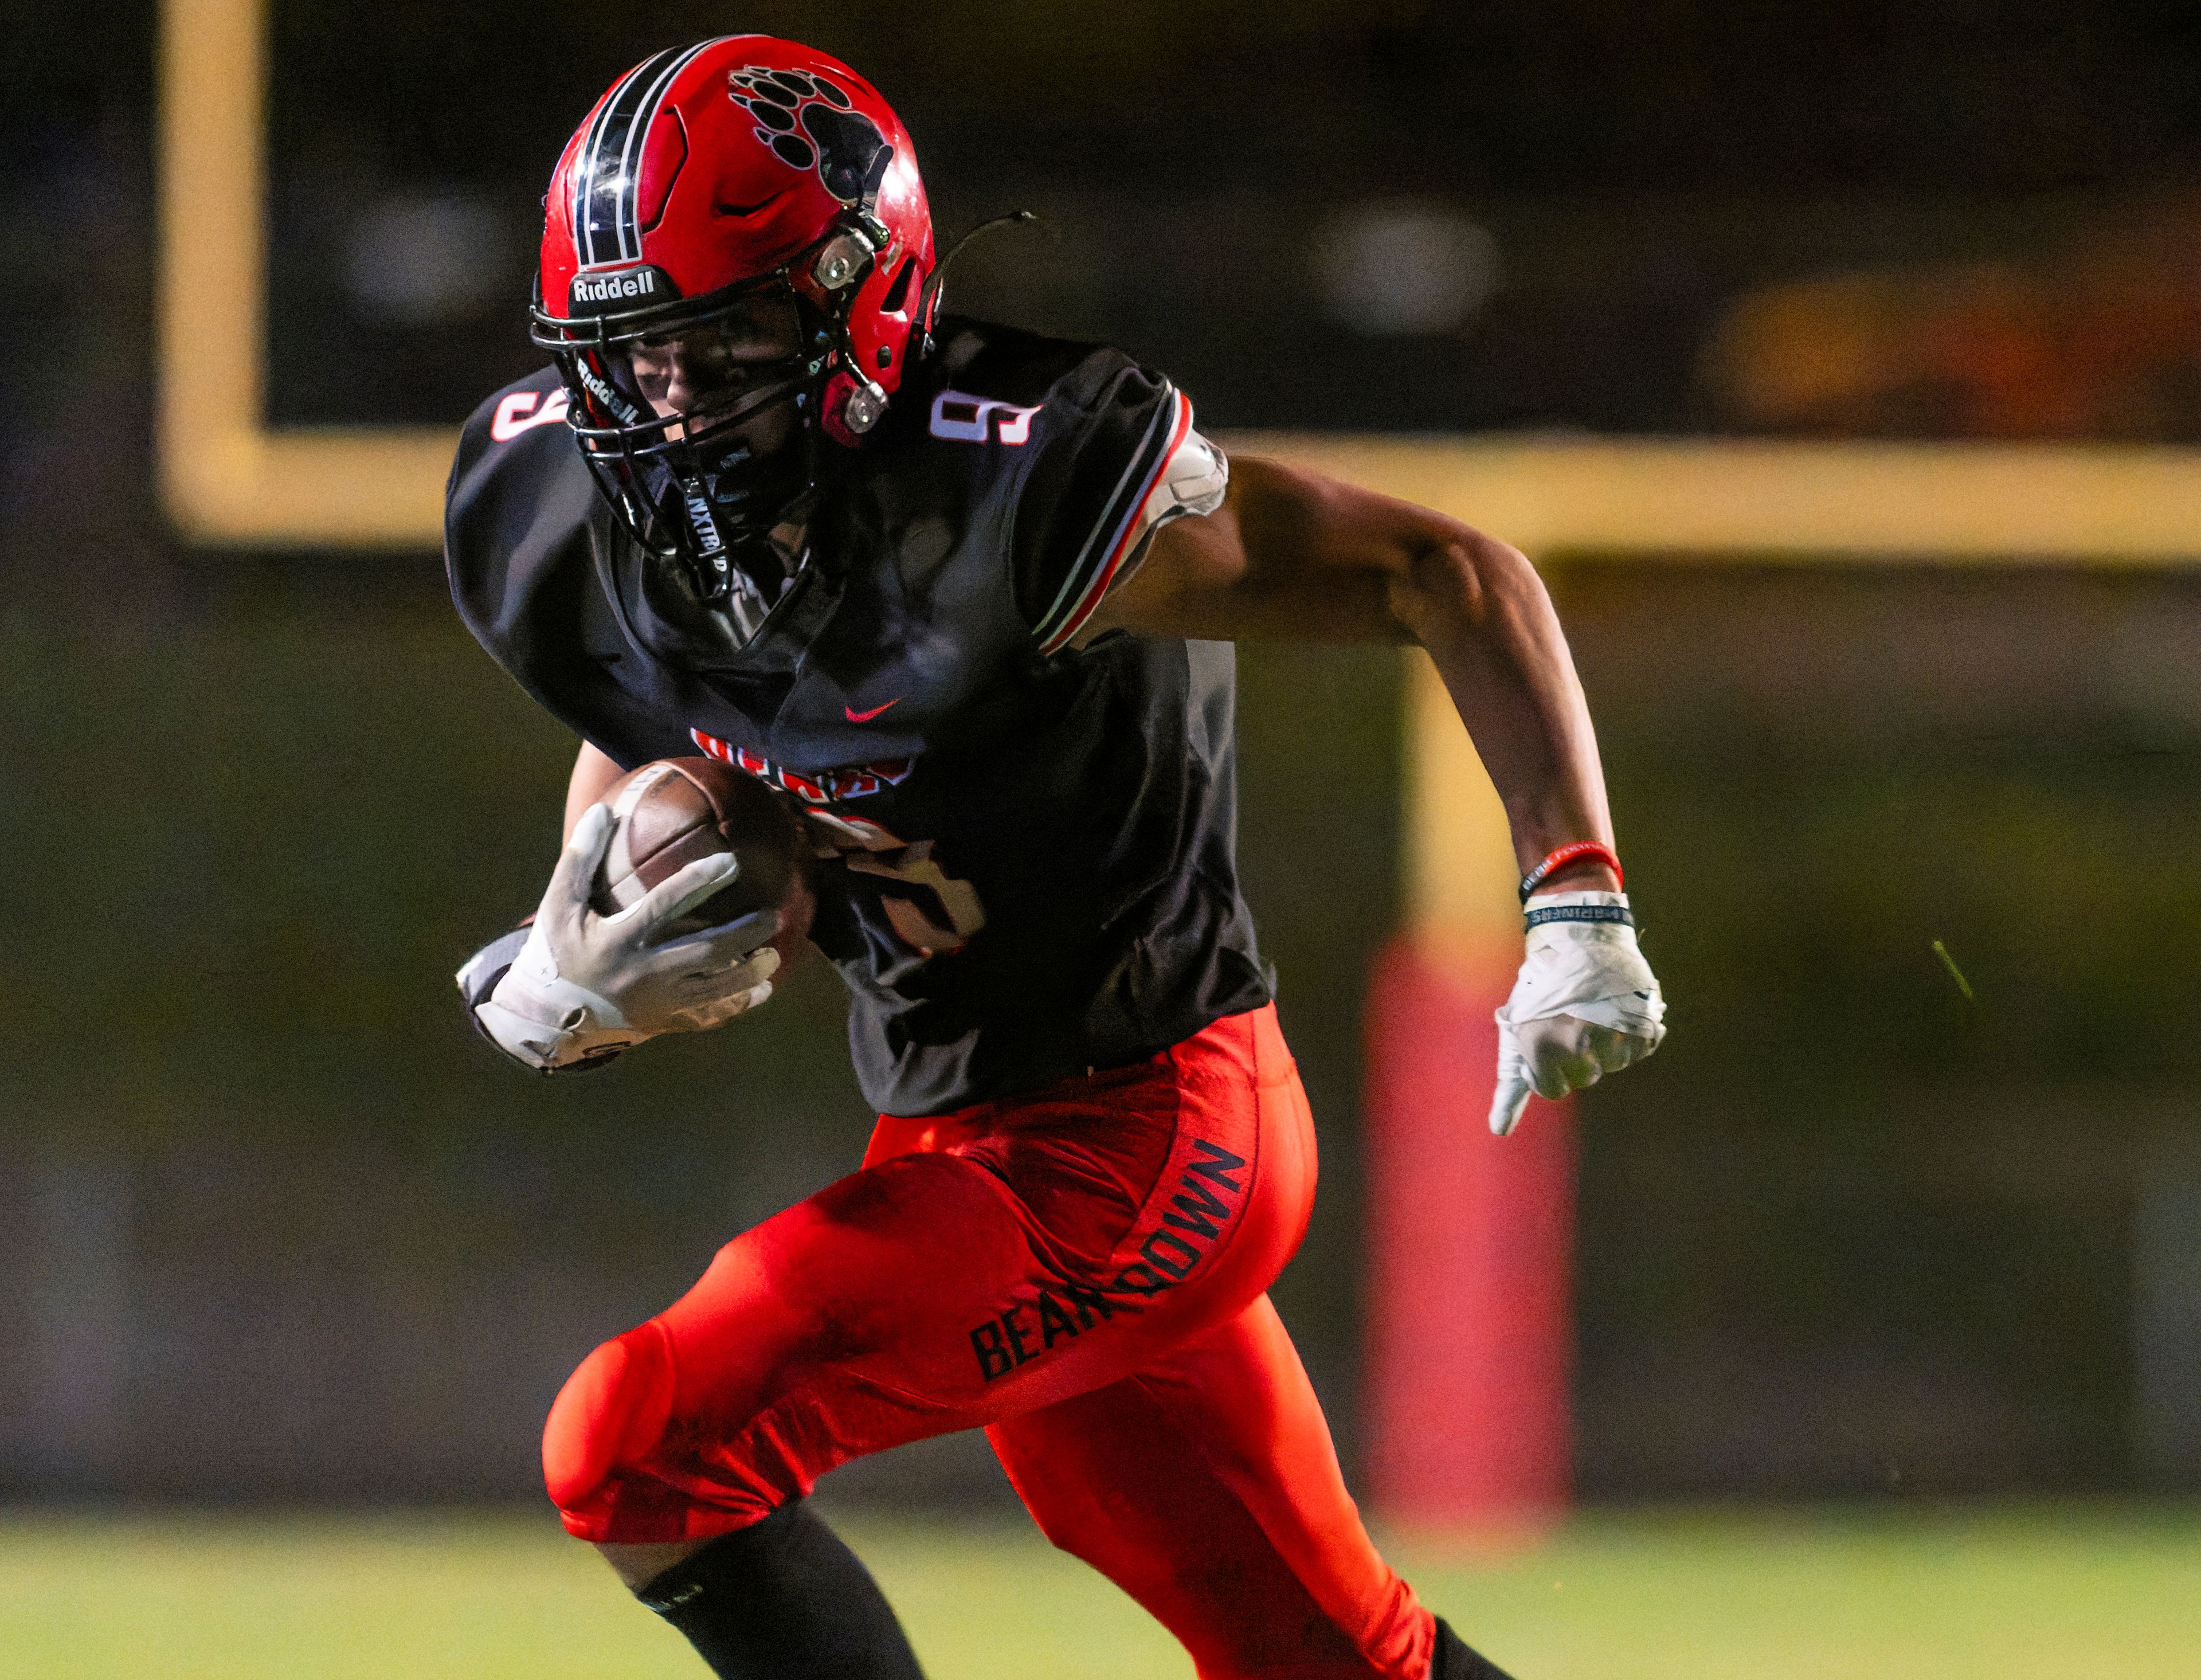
<point x="809" y="123"/>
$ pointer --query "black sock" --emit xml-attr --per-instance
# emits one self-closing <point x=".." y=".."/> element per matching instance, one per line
<point x="1454" y="1662"/>
<point x="783" y="1599"/>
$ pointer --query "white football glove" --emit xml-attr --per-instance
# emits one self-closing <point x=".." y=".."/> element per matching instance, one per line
<point x="585" y="986"/>
<point x="1585" y="1003"/>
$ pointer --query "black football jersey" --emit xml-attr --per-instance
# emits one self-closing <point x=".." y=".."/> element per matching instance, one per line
<point x="1031" y="866"/>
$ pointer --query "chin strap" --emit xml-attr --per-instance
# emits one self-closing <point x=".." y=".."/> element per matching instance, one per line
<point x="746" y="535"/>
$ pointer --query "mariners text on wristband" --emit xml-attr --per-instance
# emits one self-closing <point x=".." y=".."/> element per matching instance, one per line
<point x="1565" y="855"/>
<point x="1582" y="912"/>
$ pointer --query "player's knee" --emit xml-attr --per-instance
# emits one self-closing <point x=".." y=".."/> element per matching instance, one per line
<point x="612" y="1412"/>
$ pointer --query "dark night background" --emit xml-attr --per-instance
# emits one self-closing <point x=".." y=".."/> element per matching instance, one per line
<point x="275" y="1225"/>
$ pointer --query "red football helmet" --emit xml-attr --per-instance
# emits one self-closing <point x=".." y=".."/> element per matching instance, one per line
<point x="737" y="225"/>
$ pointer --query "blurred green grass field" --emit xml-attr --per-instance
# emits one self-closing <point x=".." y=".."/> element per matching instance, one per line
<point x="2078" y="1593"/>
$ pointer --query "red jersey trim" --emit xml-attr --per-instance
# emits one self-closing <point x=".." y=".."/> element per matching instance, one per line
<point x="1127" y="534"/>
<point x="822" y="787"/>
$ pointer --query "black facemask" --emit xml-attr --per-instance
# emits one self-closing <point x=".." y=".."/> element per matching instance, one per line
<point x="702" y="487"/>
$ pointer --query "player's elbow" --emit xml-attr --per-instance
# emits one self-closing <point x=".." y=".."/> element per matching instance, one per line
<point x="1454" y="581"/>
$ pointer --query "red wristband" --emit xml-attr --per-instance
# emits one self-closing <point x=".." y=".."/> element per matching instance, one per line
<point x="1565" y="855"/>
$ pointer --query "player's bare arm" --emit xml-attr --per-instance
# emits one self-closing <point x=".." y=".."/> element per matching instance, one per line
<point x="1290" y="554"/>
<point x="595" y="771"/>
<point x="1293" y="556"/>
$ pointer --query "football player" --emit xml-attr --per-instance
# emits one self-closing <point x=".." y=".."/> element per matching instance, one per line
<point x="966" y="596"/>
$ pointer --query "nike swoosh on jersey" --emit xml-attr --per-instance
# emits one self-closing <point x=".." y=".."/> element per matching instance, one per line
<point x="855" y="716"/>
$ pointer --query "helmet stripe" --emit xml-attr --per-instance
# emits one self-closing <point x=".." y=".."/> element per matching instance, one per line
<point x="576" y="212"/>
<point x="586" y="167"/>
<point x="630" y="171"/>
<point x="599" y="188"/>
<point x="606" y="187"/>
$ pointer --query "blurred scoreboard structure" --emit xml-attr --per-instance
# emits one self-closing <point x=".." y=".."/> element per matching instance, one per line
<point x="1470" y="1341"/>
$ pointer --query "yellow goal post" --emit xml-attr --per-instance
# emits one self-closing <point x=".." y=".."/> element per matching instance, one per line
<point x="227" y="479"/>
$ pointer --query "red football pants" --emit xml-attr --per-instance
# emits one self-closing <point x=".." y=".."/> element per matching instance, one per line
<point x="1081" y="1270"/>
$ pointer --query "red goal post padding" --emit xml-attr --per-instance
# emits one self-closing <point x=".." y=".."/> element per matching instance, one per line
<point x="1470" y="1326"/>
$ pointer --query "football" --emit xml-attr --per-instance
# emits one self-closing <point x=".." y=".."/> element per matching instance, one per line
<point x="671" y="811"/>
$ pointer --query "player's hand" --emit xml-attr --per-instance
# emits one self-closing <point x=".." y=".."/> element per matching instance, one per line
<point x="1586" y="1004"/>
<point x="585" y="987"/>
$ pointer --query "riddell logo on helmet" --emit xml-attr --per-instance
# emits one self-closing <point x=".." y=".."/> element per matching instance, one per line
<point x="593" y="383"/>
<point x="645" y="284"/>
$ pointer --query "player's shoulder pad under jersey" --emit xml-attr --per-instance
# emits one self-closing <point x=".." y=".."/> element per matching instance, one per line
<point x="1109" y="439"/>
<point x="516" y="513"/>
